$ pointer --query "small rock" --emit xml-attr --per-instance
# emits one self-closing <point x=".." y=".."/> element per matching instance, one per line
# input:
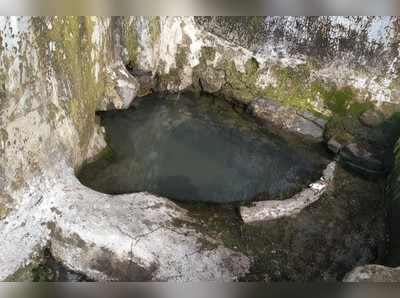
<point x="334" y="145"/>
<point x="212" y="80"/>
<point x="126" y="88"/>
<point x="319" y="121"/>
<point x="121" y="88"/>
<point x="329" y="172"/>
<point x="373" y="273"/>
<point x="371" y="118"/>
<point x="317" y="186"/>
<point x="361" y="160"/>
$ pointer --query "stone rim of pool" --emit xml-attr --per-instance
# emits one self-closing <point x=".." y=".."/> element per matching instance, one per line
<point x="209" y="115"/>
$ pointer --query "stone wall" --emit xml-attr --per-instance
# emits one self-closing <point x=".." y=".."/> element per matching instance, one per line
<point x="56" y="72"/>
<point x="361" y="52"/>
<point x="301" y="61"/>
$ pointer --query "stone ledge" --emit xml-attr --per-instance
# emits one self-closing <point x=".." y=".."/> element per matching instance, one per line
<point x="287" y="118"/>
<point x="274" y="209"/>
<point x="133" y="237"/>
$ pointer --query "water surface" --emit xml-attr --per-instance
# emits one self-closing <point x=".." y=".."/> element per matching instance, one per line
<point x="198" y="149"/>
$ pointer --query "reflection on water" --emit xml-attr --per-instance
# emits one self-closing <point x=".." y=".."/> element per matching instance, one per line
<point x="196" y="148"/>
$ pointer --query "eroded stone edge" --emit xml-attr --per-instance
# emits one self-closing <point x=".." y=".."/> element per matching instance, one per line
<point x="274" y="209"/>
<point x="126" y="237"/>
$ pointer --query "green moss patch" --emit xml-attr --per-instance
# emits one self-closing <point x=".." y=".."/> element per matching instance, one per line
<point x="45" y="268"/>
<point x="35" y="271"/>
<point x="155" y="29"/>
<point x="207" y="54"/>
<point x="67" y="48"/>
<point x="345" y="110"/>
<point x="130" y="40"/>
<point x="343" y="103"/>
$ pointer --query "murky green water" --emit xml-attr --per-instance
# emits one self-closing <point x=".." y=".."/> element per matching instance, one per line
<point x="197" y="149"/>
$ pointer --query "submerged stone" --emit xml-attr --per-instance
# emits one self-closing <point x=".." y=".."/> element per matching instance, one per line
<point x="197" y="149"/>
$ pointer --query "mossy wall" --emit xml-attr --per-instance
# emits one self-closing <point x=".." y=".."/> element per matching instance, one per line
<point x="299" y="61"/>
<point x="56" y="72"/>
<point x="70" y="58"/>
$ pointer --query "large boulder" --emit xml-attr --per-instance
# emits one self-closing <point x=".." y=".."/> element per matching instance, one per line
<point x="372" y="118"/>
<point x="137" y="237"/>
<point x="212" y="80"/>
<point x="363" y="144"/>
<point x="287" y="118"/>
<point x="121" y="88"/>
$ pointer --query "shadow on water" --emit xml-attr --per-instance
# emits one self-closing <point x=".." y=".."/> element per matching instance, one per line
<point x="392" y="129"/>
<point x="197" y="148"/>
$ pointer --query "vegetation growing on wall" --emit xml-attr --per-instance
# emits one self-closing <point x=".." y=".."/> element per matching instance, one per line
<point x="154" y="29"/>
<point x="241" y="85"/>
<point x="130" y="41"/>
<point x="66" y="47"/>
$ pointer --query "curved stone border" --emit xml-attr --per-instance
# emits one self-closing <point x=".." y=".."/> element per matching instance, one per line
<point x="133" y="237"/>
<point x="274" y="209"/>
